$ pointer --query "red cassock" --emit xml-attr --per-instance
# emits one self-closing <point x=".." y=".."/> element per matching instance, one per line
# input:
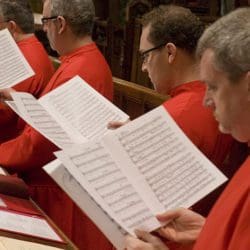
<point x="27" y="153"/>
<point x="38" y="59"/>
<point x="228" y="225"/>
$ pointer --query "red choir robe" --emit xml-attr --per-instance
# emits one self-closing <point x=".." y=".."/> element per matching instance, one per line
<point x="27" y="153"/>
<point x="228" y="225"/>
<point x="39" y="61"/>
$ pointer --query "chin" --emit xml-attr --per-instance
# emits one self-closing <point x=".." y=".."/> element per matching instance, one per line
<point x="240" y="138"/>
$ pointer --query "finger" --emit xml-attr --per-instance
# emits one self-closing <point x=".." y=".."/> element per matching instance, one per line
<point x="167" y="233"/>
<point x="6" y="94"/>
<point x="154" y="241"/>
<point x="114" y="124"/>
<point x="170" y="215"/>
<point x="147" y="237"/>
<point x="133" y="243"/>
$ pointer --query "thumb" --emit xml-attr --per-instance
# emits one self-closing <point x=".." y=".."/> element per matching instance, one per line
<point x="170" y="215"/>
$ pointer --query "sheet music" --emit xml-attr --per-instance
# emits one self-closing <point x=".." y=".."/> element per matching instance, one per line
<point x="143" y="168"/>
<point x="162" y="162"/>
<point x="70" y="114"/>
<point x="33" y="113"/>
<point x="94" y="168"/>
<point x="27" y="224"/>
<point x="78" y="107"/>
<point x="81" y="197"/>
<point x="14" y="107"/>
<point x="13" y="66"/>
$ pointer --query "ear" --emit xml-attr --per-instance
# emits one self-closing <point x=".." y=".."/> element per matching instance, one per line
<point x="171" y="50"/>
<point x="12" y="27"/>
<point x="61" y="24"/>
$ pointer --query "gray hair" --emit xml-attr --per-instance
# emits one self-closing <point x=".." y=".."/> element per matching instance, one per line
<point x="229" y="39"/>
<point x="18" y="11"/>
<point x="78" y="13"/>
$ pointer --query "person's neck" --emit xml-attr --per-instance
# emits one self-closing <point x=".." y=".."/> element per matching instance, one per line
<point x="73" y="43"/>
<point x="186" y="70"/>
<point x="20" y="36"/>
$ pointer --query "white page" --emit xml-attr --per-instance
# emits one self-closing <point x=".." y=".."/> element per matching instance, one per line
<point x="69" y="184"/>
<point x="33" y="113"/>
<point x="14" y="107"/>
<point x="80" y="108"/>
<point x="27" y="224"/>
<point x="93" y="167"/>
<point x="71" y="113"/>
<point x="162" y="164"/>
<point x="13" y="66"/>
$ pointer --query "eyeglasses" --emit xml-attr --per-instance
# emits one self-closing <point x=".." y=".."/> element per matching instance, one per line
<point x="144" y="55"/>
<point x="45" y="19"/>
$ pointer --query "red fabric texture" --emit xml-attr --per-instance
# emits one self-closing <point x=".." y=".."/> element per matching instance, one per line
<point x="27" y="153"/>
<point x="228" y="224"/>
<point x="38" y="59"/>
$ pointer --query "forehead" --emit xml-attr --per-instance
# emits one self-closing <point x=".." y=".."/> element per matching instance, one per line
<point x="209" y="73"/>
<point x="144" y="42"/>
<point x="207" y="69"/>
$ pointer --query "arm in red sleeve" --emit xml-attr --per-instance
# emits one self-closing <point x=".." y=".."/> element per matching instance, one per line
<point x="27" y="151"/>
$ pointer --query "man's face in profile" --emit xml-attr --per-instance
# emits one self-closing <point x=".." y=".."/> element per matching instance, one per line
<point x="155" y="62"/>
<point x="229" y="100"/>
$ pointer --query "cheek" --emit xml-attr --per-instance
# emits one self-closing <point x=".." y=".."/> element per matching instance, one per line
<point x="222" y="102"/>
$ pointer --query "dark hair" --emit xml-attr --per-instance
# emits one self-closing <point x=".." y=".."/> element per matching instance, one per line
<point x="18" y="11"/>
<point x="229" y="39"/>
<point x="170" y="23"/>
<point x="78" y="13"/>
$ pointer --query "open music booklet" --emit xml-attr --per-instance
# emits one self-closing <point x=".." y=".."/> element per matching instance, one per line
<point x="72" y="113"/>
<point x="139" y="170"/>
<point x="13" y="66"/>
<point x="19" y="217"/>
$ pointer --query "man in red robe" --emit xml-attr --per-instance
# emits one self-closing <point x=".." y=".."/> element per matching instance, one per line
<point x="225" y="68"/>
<point x="167" y="46"/>
<point x="68" y="25"/>
<point x="17" y="17"/>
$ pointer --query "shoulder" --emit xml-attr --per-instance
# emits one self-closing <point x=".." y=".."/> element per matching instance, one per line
<point x="187" y="102"/>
